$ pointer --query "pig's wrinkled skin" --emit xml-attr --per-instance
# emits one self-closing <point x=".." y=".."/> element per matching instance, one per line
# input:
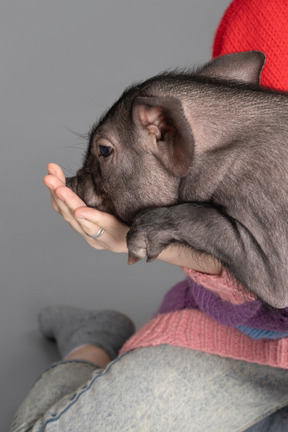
<point x="199" y="158"/>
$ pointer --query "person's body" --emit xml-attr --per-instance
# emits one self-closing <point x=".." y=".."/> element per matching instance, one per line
<point x="168" y="376"/>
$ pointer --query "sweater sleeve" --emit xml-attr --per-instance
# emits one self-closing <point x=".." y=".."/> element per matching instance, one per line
<point x="224" y="285"/>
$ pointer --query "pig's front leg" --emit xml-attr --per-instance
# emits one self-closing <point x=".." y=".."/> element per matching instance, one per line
<point x="200" y="226"/>
<point x="206" y="229"/>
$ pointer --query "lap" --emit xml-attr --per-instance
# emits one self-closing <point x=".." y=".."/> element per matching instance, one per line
<point x="168" y="388"/>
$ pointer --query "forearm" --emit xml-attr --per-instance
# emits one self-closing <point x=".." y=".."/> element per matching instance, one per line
<point x="185" y="256"/>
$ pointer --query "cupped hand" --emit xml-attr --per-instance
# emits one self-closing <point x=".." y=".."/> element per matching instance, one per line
<point x="85" y="220"/>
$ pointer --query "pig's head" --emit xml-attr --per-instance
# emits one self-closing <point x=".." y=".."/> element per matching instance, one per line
<point x="144" y="145"/>
<point x="136" y="156"/>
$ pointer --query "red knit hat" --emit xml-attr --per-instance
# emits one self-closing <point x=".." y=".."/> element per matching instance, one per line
<point x="257" y="25"/>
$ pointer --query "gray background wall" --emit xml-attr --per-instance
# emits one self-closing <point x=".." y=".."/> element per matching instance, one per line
<point x="61" y="64"/>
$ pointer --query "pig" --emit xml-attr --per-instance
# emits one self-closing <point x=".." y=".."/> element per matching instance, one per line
<point x="199" y="158"/>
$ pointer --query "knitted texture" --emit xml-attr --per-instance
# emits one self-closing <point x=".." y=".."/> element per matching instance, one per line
<point x="253" y="314"/>
<point x="257" y="25"/>
<point x="195" y="330"/>
<point x="189" y="295"/>
<point x="224" y="285"/>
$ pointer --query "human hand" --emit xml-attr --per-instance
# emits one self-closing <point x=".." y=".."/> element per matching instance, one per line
<point x="85" y="220"/>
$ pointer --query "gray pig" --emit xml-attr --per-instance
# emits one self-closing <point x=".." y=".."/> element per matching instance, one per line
<point x="199" y="158"/>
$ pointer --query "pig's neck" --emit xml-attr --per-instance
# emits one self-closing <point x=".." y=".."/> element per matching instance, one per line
<point x="218" y="115"/>
<point x="225" y="131"/>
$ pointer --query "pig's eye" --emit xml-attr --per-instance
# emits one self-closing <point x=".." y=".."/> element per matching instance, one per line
<point x="105" y="150"/>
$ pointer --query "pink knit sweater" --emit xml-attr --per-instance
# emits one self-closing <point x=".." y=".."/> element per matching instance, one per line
<point x="194" y="329"/>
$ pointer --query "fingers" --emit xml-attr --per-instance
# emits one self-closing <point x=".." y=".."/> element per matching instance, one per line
<point x="55" y="170"/>
<point x="55" y="177"/>
<point x="63" y="199"/>
<point x="102" y="219"/>
<point x="86" y="221"/>
<point x="69" y="197"/>
<point x="55" y="181"/>
<point x="115" y="232"/>
<point x="52" y="182"/>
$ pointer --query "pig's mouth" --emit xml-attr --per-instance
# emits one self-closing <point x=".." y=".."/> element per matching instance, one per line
<point x="86" y="189"/>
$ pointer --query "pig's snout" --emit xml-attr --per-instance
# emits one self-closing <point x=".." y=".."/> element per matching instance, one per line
<point x="83" y="186"/>
<point x="78" y="182"/>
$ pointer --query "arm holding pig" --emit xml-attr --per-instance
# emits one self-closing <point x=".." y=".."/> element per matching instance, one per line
<point x="86" y="220"/>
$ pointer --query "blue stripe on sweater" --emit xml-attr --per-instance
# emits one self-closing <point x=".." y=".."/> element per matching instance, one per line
<point x="262" y="333"/>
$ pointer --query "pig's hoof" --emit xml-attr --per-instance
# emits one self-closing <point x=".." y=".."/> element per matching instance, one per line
<point x="151" y="258"/>
<point x="132" y="259"/>
<point x="143" y="244"/>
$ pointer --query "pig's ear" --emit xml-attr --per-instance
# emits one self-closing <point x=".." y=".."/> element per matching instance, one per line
<point x="167" y="132"/>
<point x="245" y="67"/>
